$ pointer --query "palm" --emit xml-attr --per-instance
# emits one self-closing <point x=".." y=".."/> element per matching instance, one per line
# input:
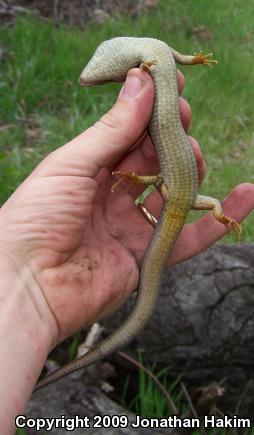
<point x="83" y="242"/>
<point x="80" y="239"/>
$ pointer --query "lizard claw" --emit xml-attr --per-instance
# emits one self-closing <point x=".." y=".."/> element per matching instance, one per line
<point x="123" y="176"/>
<point x="146" y="66"/>
<point x="204" y="59"/>
<point x="235" y="226"/>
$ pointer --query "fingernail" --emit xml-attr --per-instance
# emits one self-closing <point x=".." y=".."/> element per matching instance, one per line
<point x="131" y="88"/>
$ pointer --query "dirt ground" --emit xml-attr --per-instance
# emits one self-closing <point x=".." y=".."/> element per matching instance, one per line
<point x="75" y="12"/>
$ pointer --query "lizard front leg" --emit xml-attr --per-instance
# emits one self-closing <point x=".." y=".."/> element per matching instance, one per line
<point x="147" y="180"/>
<point x="133" y="178"/>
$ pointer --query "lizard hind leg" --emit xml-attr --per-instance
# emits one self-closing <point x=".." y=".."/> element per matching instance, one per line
<point x="165" y="193"/>
<point x="208" y="203"/>
<point x="196" y="59"/>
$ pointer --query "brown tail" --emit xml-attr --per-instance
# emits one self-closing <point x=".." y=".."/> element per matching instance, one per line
<point x="165" y="235"/>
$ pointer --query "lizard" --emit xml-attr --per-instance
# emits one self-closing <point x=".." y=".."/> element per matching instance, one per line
<point x="177" y="181"/>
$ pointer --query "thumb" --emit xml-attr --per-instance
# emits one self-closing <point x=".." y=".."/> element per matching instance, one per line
<point x="108" y="140"/>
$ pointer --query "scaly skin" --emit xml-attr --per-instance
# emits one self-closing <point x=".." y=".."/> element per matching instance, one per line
<point x="111" y="62"/>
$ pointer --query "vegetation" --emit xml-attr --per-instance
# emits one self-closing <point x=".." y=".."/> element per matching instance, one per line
<point x="151" y="402"/>
<point x="42" y="105"/>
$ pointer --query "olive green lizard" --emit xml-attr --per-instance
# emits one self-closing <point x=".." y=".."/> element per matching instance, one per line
<point x="177" y="181"/>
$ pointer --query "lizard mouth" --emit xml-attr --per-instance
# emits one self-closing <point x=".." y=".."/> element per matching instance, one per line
<point x="83" y="82"/>
<point x="86" y="83"/>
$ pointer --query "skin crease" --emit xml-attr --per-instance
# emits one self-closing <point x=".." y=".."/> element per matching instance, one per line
<point x="76" y="230"/>
<point x="83" y="242"/>
<point x="73" y="248"/>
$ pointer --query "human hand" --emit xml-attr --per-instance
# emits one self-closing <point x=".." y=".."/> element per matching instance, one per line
<point x="81" y="243"/>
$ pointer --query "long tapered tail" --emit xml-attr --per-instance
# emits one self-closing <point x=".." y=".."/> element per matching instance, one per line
<point x="165" y="234"/>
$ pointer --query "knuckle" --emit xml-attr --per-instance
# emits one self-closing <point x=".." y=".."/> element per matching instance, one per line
<point x="110" y="120"/>
<point x="244" y="190"/>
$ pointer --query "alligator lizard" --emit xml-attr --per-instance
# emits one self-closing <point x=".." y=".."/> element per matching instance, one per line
<point x="177" y="181"/>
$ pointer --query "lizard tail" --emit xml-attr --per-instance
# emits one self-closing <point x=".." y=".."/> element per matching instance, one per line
<point x="164" y="237"/>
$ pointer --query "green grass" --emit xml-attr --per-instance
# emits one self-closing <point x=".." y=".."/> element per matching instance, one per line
<point x="150" y="402"/>
<point x="75" y="341"/>
<point x="42" y="105"/>
<point x="39" y="81"/>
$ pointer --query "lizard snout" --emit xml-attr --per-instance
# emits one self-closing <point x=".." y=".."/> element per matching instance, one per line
<point x="83" y="82"/>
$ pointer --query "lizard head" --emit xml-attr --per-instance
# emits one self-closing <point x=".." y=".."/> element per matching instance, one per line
<point x="109" y="63"/>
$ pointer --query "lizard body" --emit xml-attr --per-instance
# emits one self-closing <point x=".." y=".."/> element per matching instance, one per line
<point x="178" y="176"/>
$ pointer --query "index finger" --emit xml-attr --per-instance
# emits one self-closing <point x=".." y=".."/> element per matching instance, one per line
<point x="180" y="81"/>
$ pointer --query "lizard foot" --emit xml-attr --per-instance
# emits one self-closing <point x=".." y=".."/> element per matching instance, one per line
<point x="146" y="66"/>
<point x="208" y="203"/>
<point x="204" y="59"/>
<point x="133" y="178"/>
<point x="234" y="226"/>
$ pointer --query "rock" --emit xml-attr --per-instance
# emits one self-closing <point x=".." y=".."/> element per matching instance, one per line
<point x="203" y="325"/>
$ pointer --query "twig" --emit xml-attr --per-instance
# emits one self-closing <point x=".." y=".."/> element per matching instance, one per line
<point x="13" y="11"/>
<point x="55" y="9"/>
<point x="240" y="401"/>
<point x="4" y="127"/>
<point x="91" y="338"/>
<point x="193" y="410"/>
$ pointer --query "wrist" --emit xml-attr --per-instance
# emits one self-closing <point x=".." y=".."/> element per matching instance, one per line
<point x="21" y="293"/>
<point x="26" y="336"/>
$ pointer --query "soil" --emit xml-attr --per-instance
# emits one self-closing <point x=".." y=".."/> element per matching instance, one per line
<point x="76" y="12"/>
